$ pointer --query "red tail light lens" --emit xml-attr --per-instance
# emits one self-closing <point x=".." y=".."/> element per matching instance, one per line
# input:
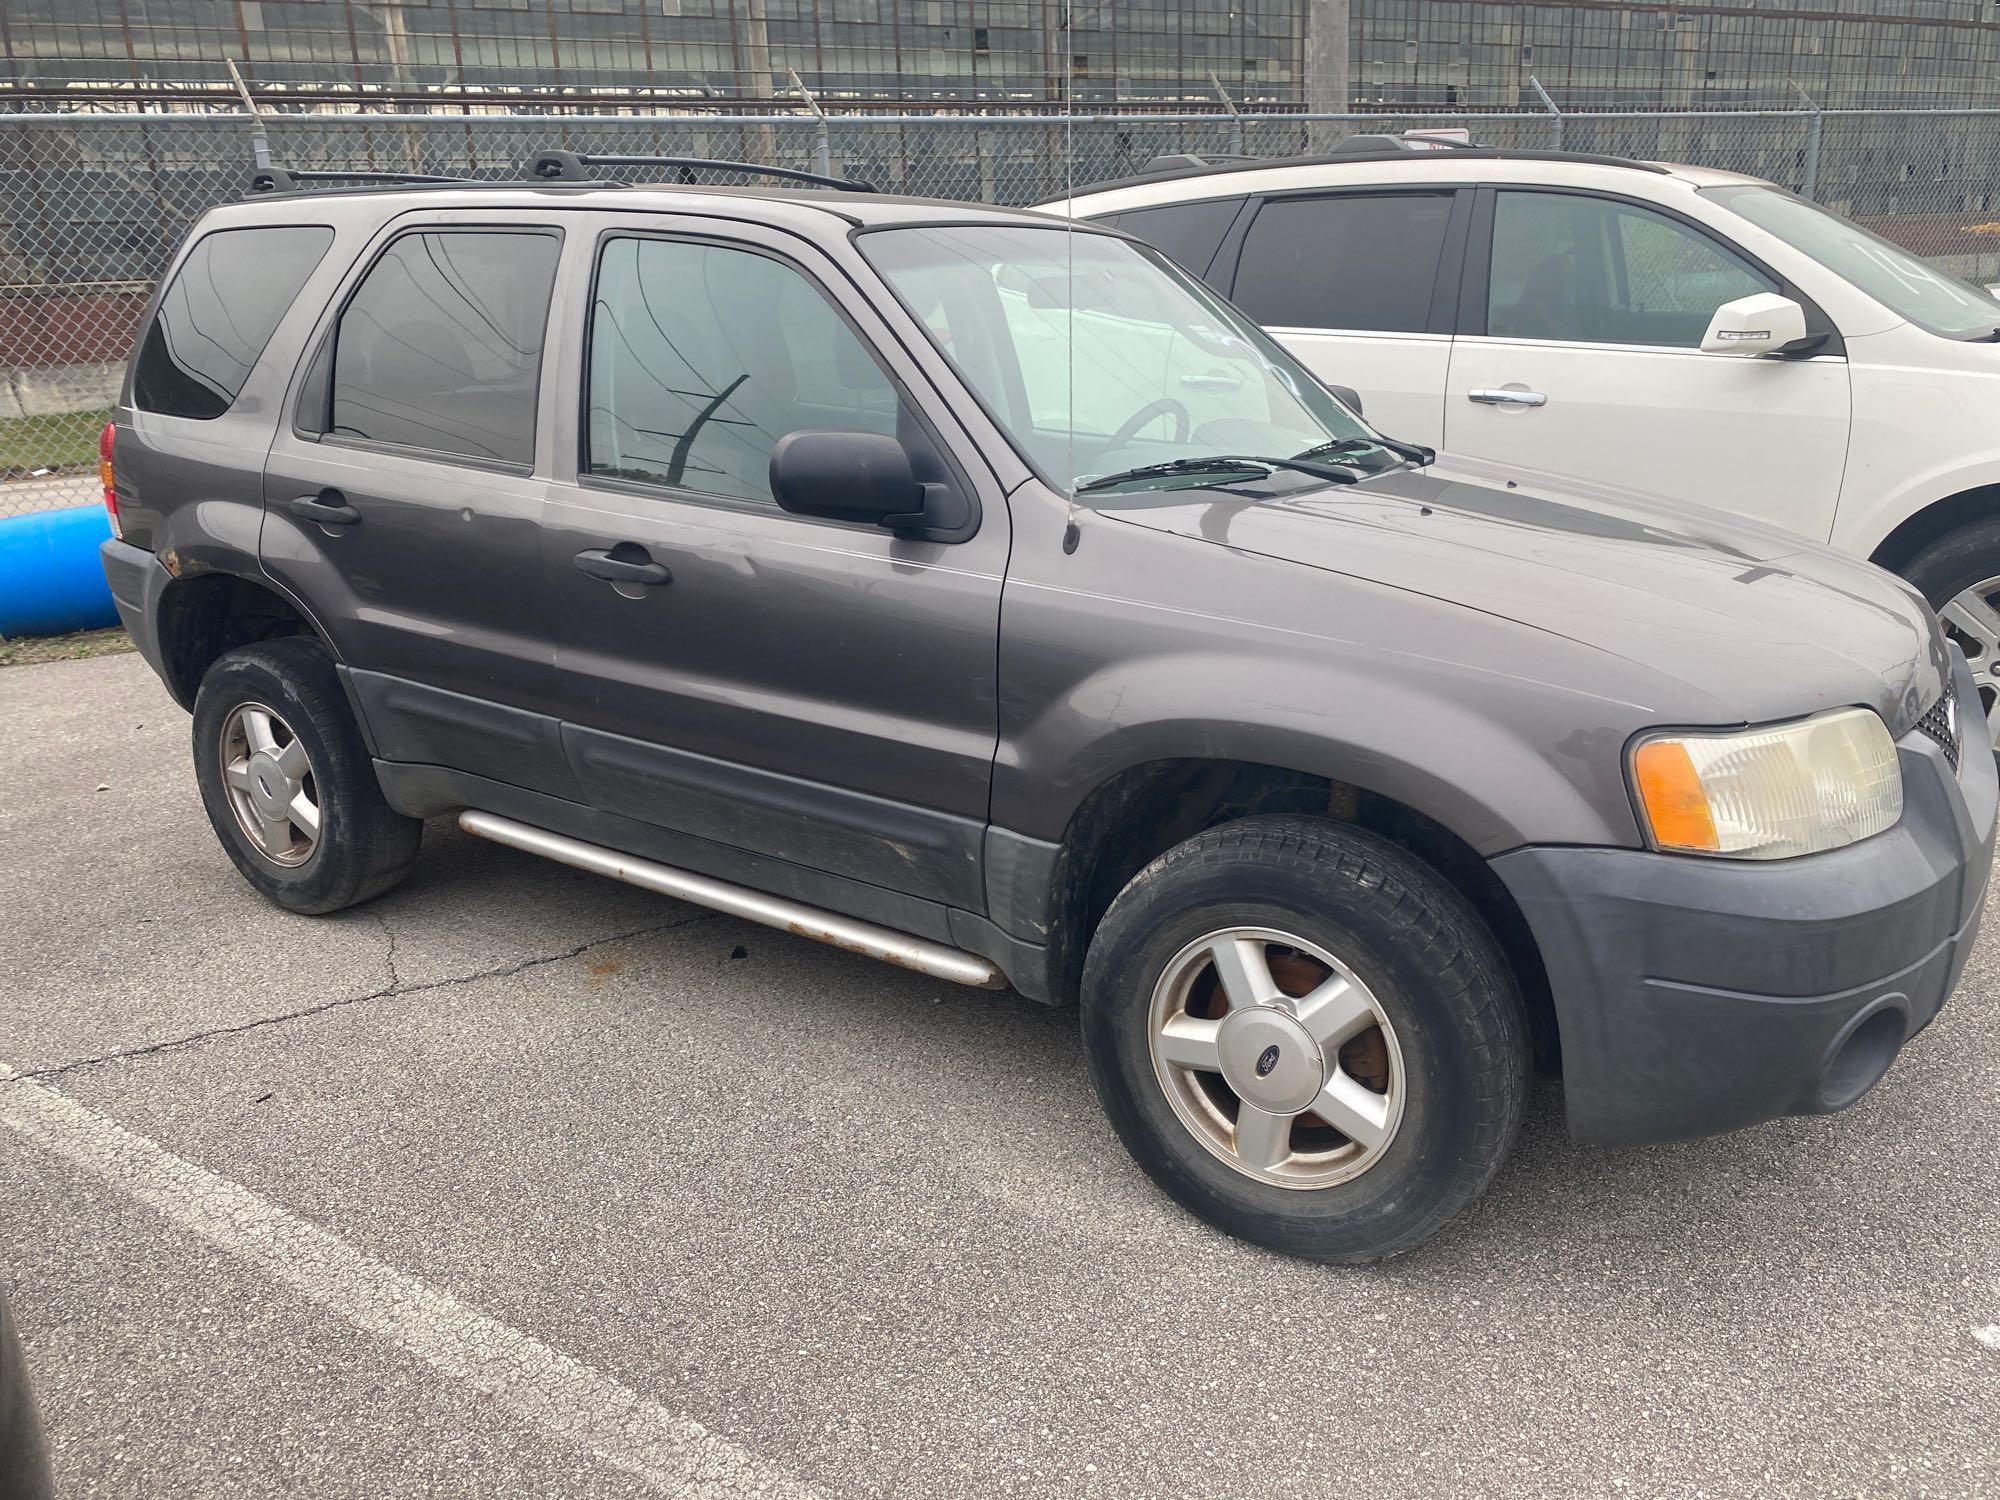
<point x="104" y="475"/>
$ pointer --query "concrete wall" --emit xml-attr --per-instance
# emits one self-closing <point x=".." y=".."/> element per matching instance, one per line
<point x="51" y="390"/>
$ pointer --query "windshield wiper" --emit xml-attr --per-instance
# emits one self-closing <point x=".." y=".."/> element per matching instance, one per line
<point x="1222" y="463"/>
<point x="1416" y="453"/>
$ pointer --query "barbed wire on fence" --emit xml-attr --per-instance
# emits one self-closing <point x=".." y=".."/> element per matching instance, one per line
<point x="93" y="205"/>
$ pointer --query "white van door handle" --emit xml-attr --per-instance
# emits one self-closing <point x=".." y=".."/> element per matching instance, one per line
<point x="1507" y="398"/>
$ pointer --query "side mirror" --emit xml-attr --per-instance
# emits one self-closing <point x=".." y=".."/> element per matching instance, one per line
<point x="1761" y="324"/>
<point x="1348" y="397"/>
<point x="848" y="476"/>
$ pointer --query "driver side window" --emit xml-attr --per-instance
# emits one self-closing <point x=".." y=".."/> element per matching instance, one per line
<point x="702" y="356"/>
<point x="1579" y="269"/>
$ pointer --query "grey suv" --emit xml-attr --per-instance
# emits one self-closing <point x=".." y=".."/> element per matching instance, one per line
<point x="979" y="592"/>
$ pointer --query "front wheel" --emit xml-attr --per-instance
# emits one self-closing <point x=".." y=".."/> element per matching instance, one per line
<point x="1959" y="574"/>
<point x="1306" y="1037"/>
<point x="287" y="781"/>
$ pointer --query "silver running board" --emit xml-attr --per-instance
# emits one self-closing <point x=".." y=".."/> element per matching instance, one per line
<point x="884" y="943"/>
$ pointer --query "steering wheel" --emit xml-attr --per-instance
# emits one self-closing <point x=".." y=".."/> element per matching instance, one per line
<point x="1166" y="406"/>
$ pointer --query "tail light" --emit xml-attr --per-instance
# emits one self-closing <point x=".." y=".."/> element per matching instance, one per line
<point x="105" y="477"/>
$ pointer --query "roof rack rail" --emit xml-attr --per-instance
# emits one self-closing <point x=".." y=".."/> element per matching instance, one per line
<point x="1353" y="145"/>
<point x="1181" y="161"/>
<point x="1355" y="148"/>
<point x="571" y="166"/>
<point x="286" y="180"/>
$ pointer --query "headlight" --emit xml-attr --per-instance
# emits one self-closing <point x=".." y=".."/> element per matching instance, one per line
<point x="1770" y="793"/>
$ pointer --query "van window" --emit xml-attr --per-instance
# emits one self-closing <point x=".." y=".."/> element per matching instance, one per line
<point x="703" y="356"/>
<point x="1595" y="271"/>
<point x="440" y="347"/>
<point x="1358" y="261"/>
<point x="1190" y="233"/>
<point x="217" y="314"/>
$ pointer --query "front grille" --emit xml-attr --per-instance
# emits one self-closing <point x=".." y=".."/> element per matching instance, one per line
<point x="1940" y="724"/>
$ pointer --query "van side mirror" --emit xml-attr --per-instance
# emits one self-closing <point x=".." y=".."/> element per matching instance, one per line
<point x="1348" y="397"/>
<point x="1763" y="324"/>
<point x="848" y="476"/>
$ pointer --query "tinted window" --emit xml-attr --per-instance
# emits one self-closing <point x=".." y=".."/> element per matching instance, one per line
<point x="1352" y="261"/>
<point x="218" y="313"/>
<point x="702" y="357"/>
<point x="1189" y="232"/>
<point x="440" y="347"/>
<point x="1591" y="270"/>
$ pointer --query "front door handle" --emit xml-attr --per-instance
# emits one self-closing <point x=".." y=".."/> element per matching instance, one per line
<point x="1507" y="398"/>
<point x="328" y="507"/>
<point x="601" y="564"/>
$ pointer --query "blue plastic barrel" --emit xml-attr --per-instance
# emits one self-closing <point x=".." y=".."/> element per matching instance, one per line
<point x="50" y="578"/>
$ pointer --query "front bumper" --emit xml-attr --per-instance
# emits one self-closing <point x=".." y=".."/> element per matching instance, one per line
<point x="1695" y="996"/>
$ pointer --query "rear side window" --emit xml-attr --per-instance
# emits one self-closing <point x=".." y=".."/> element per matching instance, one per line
<point x="1354" y="261"/>
<point x="703" y="356"/>
<point x="440" y="347"/>
<point x="1189" y="232"/>
<point x="218" y="313"/>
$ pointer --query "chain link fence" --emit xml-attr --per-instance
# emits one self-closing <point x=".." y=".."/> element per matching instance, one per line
<point x="92" y="205"/>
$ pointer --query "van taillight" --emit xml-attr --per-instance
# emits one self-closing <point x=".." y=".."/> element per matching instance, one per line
<point x="104" y="475"/>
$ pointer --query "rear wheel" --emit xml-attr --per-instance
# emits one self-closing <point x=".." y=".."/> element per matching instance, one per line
<point x="288" y="784"/>
<point x="1306" y="1037"/>
<point x="1959" y="574"/>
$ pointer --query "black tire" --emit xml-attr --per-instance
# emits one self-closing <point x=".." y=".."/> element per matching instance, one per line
<point x="1435" y="970"/>
<point x="364" y="846"/>
<point x="1947" y="568"/>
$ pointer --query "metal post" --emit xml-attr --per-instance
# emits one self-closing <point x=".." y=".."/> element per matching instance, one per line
<point x="1809" y="188"/>
<point x="822" y="145"/>
<point x="1326" y="68"/>
<point x="983" y="155"/>
<point x="1555" y="114"/>
<point x="260" y="145"/>
<point x="1235" y="115"/>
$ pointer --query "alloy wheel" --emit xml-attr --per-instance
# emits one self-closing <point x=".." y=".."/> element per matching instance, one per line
<point x="1277" y="1057"/>
<point x="1973" y="620"/>
<point x="269" y="780"/>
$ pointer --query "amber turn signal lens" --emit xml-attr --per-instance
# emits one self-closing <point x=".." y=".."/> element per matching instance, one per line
<point x="1672" y="795"/>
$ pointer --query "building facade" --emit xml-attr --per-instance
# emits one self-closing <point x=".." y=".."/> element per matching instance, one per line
<point x="1409" y="53"/>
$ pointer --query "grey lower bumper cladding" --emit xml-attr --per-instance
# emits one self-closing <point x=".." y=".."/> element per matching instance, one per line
<point x="1697" y="995"/>
<point x="136" y="578"/>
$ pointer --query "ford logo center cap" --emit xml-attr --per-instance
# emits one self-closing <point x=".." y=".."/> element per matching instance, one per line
<point x="1267" y="1060"/>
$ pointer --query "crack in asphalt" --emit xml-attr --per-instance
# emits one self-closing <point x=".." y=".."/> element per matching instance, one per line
<point x="394" y="989"/>
<point x="388" y="958"/>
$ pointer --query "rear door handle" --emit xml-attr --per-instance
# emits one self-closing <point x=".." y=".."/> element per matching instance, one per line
<point x="1507" y="398"/>
<point x="601" y="564"/>
<point x="328" y="507"/>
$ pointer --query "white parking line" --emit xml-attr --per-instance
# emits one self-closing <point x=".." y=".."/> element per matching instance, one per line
<point x="1989" y="1335"/>
<point x="570" y="1401"/>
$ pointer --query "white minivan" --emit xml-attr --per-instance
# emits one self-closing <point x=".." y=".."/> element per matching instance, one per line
<point x="1596" y="317"/>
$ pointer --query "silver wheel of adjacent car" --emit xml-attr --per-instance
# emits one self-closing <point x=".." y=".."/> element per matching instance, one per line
<point x="269" y="780"/>
<point x="1973" y="619"/>
<point x="1277" y="1057"/>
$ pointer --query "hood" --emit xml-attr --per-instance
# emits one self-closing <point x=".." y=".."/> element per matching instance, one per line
<point x="1763" y="623"/>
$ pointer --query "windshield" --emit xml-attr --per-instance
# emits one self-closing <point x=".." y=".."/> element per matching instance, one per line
<point x="1890" y="274"/>
<point x="1098" y="358"/>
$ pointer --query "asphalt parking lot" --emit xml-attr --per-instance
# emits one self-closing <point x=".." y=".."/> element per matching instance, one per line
<point x="521" y="1182"/>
